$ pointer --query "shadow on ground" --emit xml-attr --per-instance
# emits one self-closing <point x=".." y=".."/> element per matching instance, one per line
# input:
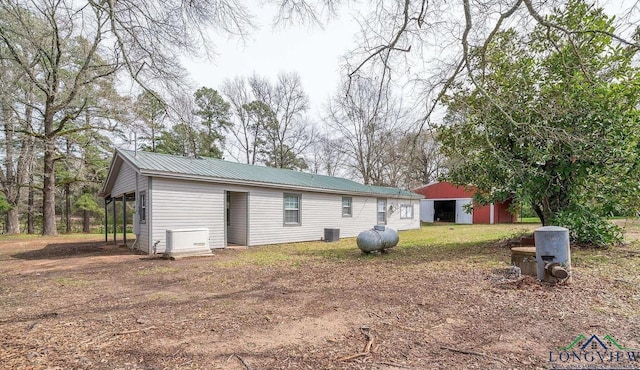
<point x="74" y="250"/>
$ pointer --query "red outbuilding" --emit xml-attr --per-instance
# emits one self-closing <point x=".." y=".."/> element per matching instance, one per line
<point x="445" y="202"/>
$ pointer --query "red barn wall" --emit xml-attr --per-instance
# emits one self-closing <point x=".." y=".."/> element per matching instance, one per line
<point x="481" y="214"/>
<point x="502" y="214"/>
<point x="443" y="190"/>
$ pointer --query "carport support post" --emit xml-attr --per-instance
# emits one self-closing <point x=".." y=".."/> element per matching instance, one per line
<point x="115" y="224"/>
<point x="124" y="218"/>
<point x="106" y="221"/>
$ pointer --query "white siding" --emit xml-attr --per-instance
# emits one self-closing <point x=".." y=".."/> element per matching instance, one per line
<point x="190" y="204"/>
<point x="318" y="211"/>
<point x="125" y="181"/>
<point x="393" y="218"/>
<point x="180" y="204"/>
<point x="237" y="229"/>
<point x="143" y="237"/>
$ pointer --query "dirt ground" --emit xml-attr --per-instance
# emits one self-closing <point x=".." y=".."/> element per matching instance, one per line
<point x="69" y="303"/>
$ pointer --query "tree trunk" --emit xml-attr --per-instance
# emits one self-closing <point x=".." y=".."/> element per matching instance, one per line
<point x="30" y="208"/>
<point x="543" y="214"/>
<point x="13" y="221"/>
<point x="67" y="207"/>
<point x="86" y="222"/>
<point x="49" y="189"/>
<point x="539" y="213"/>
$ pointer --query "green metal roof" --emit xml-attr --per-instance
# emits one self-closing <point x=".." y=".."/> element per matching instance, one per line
<point x="154" y="164"/>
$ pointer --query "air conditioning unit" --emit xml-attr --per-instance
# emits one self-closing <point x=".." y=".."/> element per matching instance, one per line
<point x="187" y="242"/>
<point x="331" y="234"/>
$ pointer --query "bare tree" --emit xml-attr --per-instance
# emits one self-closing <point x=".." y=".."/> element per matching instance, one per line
<point x="151" y="35"/>
<point x="430" y="43"/>
<point x="326" y="155"/>
<point x="291" y="133"/>
<point x="368" y="122"/>
<point x="270" y="120"/>
<point x="17" y="153"/>
<point x="65" y="47"/>
<point x="420" y="159"/>
<point x="17" y="148"/>
<point x="42" y="43"/>
<point x="432" y="163"/>
<point x="246" y="132"/>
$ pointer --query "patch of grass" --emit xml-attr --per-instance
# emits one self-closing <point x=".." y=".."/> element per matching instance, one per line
<point x="156" y="271"/>
<point x="260" y="256"/>
<point x="18" y="237"/>
<point x="611" y="263"/>
<point x="162" y="296"/>
<point x="80" y="236"/>
<point x="441" y="246"/>
<point x="73" y="282"/>
<point x="589" y="258"/>
<point x="529" y="220"/>
<point x="429" y="243"/>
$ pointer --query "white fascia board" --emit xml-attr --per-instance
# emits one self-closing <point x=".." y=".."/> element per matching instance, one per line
<point x="172" y="175"/>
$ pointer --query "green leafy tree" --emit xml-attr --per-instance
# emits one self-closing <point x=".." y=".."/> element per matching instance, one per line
<point x="180" y="139"/>
<point x="151" y="113"/>
<point x="89" y="206"/>
<point x="4" y="206"/>
<point x="215" y="118"/>
<point x="552" y="119"/>
<point x="65" y="69"/>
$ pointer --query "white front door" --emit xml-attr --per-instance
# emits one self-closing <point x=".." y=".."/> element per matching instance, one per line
<point x="462" y="217"/>
<point x="426" y="210"/>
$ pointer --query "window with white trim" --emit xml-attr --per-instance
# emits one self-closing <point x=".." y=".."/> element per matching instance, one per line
<point x="406" y="211"/>
<point x="382" y="211"/>
<point x="347" y="207"/>
<point x="143" y="207"/>
<point x="292" y="209"/>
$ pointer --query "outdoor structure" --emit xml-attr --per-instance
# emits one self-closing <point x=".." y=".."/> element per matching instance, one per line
<point x="445" y="202"/>
<point x="245" y="205"/>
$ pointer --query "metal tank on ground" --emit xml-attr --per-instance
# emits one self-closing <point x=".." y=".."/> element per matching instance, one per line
<point x="377" y="239"/>
<point x="553" y="254"/>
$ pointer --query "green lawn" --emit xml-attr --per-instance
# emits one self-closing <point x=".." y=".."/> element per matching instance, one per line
<point x="435" y="242"/>
<point x="446" y="244"/>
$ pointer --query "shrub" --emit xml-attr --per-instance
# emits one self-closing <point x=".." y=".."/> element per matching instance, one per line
<point x="588" y="229"/>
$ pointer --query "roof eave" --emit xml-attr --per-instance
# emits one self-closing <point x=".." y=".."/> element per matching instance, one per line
<point x="108" y="183"/>
<point x="114" y="167"/>
<point x="222" y="180"/>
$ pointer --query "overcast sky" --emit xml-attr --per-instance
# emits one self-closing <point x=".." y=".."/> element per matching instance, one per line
<point x="314" y="52"/>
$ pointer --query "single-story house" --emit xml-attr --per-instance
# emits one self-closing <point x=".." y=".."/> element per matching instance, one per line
<point x="247" y="205"/>
<point x="445" y="202"/>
